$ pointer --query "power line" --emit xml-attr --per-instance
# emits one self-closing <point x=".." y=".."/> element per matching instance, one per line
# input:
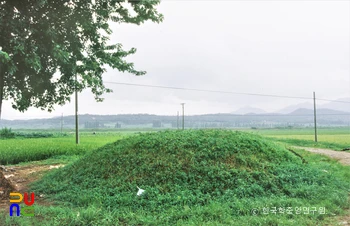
<point x="257" y="115"/>
<point x="338" y="101"/>
<point x="204" y="90"/>
<point x="218" y="91"/>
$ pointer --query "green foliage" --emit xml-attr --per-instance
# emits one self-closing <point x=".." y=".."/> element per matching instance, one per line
<point x="45" y="37"/>
<point x="39" y="135"/>
<point x="36" y="135"/>
<point x="4" y="57"/>
<point x="194" y="177"/>
<point x="6" y="133"/>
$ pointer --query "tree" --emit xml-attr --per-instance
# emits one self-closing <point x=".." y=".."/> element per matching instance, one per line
<point x="45" y="43"/>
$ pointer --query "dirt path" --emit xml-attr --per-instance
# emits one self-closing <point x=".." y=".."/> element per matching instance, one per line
<point x="343" y="158"/>
<point x="17" y="178"/>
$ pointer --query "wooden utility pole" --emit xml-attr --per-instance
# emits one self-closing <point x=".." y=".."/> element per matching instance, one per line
<point x="76" y="112"/>
<point x="62" y="123"/>
<point x="177" y="122"/>
<point x="315" y="121"/>
<point x="183" y="115"/>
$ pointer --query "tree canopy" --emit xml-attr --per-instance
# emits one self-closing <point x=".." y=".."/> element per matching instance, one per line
<point x="44" y="44"/>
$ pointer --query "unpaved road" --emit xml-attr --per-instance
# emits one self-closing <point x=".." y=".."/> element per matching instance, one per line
<point x="19" y="177"/>
<point x="342" y="156"/>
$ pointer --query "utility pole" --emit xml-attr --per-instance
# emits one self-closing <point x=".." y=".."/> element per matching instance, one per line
<point x="177" y="123"/>
<point x="76" y="111"/>
<point x="183" y="116"/>
<point x="62" y="123"/>
<point x="315" y="121"/>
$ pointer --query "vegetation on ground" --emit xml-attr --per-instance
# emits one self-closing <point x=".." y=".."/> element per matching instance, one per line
<point x="310" y="143"/>
<point x="331" y="138"/>
<point x="304" y="131"/>
<point x="13" y="151"/>
<point x="8" y="133"/>
<point x="211" y="177"/>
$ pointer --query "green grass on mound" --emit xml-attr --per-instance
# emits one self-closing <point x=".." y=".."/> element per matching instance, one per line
<point x="200" y="176"/>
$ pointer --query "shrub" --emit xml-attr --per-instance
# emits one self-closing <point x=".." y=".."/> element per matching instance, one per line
<point x="7" y="133"/>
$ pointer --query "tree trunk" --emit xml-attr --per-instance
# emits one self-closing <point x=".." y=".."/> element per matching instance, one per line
<point x="2" y="78"/>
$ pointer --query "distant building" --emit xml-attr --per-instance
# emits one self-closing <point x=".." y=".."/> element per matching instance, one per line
<point x="157" y="124"/>
<point x="94" y="125"/>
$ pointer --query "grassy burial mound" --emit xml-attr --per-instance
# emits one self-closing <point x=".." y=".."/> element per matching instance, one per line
<point x="183" y="172"/>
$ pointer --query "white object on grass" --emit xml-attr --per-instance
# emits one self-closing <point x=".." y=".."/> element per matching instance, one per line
<point x="140" y="191"/>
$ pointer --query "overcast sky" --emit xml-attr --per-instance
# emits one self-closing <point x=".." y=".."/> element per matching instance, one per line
<point x="288" y="48"/>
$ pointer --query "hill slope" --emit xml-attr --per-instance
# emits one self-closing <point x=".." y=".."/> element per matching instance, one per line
<point x="181" y="170"/>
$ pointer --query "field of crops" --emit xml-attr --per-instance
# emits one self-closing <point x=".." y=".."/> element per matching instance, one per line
<point x="304" y="131"/>
<point x="14" y="151"/>
<point x="336" y="138"/>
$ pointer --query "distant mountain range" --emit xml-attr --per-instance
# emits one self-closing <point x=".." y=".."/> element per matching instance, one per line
<point x="321" y="111"/>
<point x="248" y="110"/>
<point x="331" y="106"/>
<point x="338" y="106"/>
<point x="295" y="107"/>
<point x="300" y="115"/>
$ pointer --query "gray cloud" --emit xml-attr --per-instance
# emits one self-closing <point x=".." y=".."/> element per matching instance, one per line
<point x="271" y="47"/>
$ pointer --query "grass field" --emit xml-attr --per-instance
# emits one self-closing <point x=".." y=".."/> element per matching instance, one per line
<point x="337" y="138"/>
<point x="14" y="151"/>
<point x="285" y="181"/>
